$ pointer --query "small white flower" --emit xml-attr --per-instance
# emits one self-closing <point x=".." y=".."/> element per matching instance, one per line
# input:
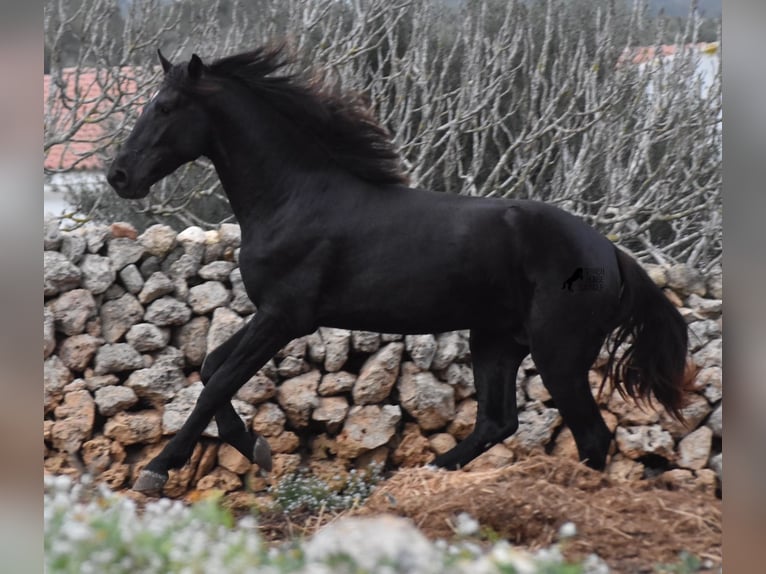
<point x="466" y="525"/>
<point x="567" y="530"/>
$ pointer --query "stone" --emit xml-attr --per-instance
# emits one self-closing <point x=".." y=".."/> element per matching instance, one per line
<point x="430" y="402"/>
<point x="157" y="384"/>
<point x="315" y="347"/>
<point x="295" y="348"/>
<point x="157" y="285"/>
<point x="709" y="381"/>
<point x="498" y="456"/>
<point x="414" y="449"/>
<point x="465" y="419"/>
<point x="224" y="324"/>
<point x="336" y="383"/>
<point x="709" y="355"/>
<point x="49" y="332"/>
<point x="74" y="421"/>
<point x="422" y="349"/>
<point x="158" y="240"/>
<point x="206" y="297"/>
<point x="631" y="413"/>
<point x="96" y="236"/>
<point x="176" y="412"/>
<point x="686" y="280"/>
<point x="123" y="252"/>
<point x="442" y="442"/>
<point x="637" y="441"/>
<point x="191" y="338"/>
<point x="378" y="375"/>
<point x="284" y="443"/>
<point x="59" y="274"/>
<point x="72" y="310"/>
<point x="711" y="308"/>
<point x="449" y="346"/>
<point x="536" y="390"/>
<point x="117" y="357"/>
<point x="123" y="229"/>
<point x="220" y="479"/>
<point x="715" y="421"/>
<point x="700" y="332"/>
<point x="131" y="278"/>
<point x="230" y="234"/>
<point x="240" y="302"/>
<point x="694" y="449"/>
<point x="146" y="337"/>
<point x="292" y="367"/>
<point x="269" y="420"/>
<point x="331" y="411"/>
<point x="298" y="397"/>
<point x="95" y="382"/>
<point x="695" y="411"/>
<point x="77" y="351"/>
<point x="97" y="273"/>
<point x="118" y="316"/>
<point x="460" y="378"/>
<point x="73" y="246"/>
<point x="257" y="390"/>
<point x="216" y="270"/>
<point x="167" y="311"/>
<point x="100" y="453"/>
<point x="181" y="267"/>
<point x="232" y="460"/>
<point x="336" y="343"/>
<point x="115" y="291"/>
<point x="536" y="427"/>
<point x="113" y="399"/>
<point x="366" y="428"/>
<point x="622" y="468"/>
<point x="192" y="239"/>
<point x="52" y="236"/>
<point x="716" y="464"/>
<point x="168" y="357"/>
<point x="714" y="284"/>
<point x="365" y="341"/>
<point x="657" y="274"/>
<point x="682" y="479"/>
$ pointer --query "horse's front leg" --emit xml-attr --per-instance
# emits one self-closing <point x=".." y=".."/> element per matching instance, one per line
<point x="258" y="342"/>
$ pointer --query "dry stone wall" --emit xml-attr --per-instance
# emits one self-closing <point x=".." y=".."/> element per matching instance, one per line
<point x="128" y="319"/>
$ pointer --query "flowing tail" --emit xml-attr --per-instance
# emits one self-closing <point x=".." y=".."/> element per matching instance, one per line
<point x="654" y="364"/>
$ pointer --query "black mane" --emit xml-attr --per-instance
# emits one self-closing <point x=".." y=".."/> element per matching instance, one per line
<point x="341" y="121"/>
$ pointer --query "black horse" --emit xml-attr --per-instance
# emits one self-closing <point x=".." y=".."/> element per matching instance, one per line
<point x="333" y="236"/>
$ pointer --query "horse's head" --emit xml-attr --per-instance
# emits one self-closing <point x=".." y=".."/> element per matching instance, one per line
<point x="173" y="129"/>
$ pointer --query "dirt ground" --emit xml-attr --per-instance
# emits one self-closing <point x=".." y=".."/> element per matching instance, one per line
<point x="633" y="526"/>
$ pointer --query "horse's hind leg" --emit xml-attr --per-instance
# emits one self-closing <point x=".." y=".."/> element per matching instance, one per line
<point x="496" y="358"/>
<point x="563" y="360"/>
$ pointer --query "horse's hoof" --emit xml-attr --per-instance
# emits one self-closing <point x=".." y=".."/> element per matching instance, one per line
<point x="150" y="482"/>
<point x="262" y="454"/>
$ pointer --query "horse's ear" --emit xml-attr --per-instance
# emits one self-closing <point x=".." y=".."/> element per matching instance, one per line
<point x="195" y="67"/>
<point x="166" y="65"/>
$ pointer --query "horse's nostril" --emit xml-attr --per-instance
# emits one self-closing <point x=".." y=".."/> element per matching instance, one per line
<point x="117" y="177"/>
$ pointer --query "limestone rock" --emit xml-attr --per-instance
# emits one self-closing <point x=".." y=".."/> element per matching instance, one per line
<point x="331" y="411"/>
<point x="157" y="384"/>
<point x="59" y="274"/>
<point x="637" y="441"/>
<point x="123" y="251"/>
<point x="224" y="324"/>
<point x="217" y="270"/>
<point x="715" y="421"/>
<point x="365" y="341"/>
<point x="73" y="245"/>
<point x="685" y="280"/>
<point x="378" y="375"/>
<point x="49" y="332"/>
<point x="708" y="307"/>
<point x="465" y="419"/>
<point x="131" y="278"/>
<point x="167" y="311"/>
<point x="257" y="390"/>
<point x="206" y="297"/>
<point x="122" y="229"/>
<point x="97" y="273"/>
<point x="240" y="302"/>
<point x="414" y="449"/>
<point x="118" y="316"/>
<point x="496" y="457"/>
<point x="220" y="479"/>
<point x="449" y="346"/>
<point x="336" y="343"/>
<point x="315" y="347"/>
<point x="158" y="240"/>
<point x="74" y="421"/>
<point x="298" y="397"/>
<point x="112" y="399"/>
<point x="536" y="390"/>
<point x="336" y="383"/>
<point x="366" y="428"/>
<point x="695" y="411"/>
<point x="536" y="427"/>
<point x="460" y="377"/>
<point x="146" y="337"/>
<point x="191" y="338"/>
<point x="176" y="412"/>
<point x="709" y="355"/>
<point x="134" y="428"/>
<point x="709" y="381"/>
<point x="76" y="352"/>
<point x="694" y="449"/>
<point x="631" y="413"/>
<point x="431" y="403"/>
<point x="157" y="285"/>
<point x="72" y="310"/>
<point x="232" y="460"/>
<point x="422" y="349"/>
<point x="442" y="442"/>
<point x="269" y="420"/>
<point x="117" y="357"/>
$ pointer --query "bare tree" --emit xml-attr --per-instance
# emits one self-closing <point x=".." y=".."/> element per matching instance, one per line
<point x="536" y="100"/>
